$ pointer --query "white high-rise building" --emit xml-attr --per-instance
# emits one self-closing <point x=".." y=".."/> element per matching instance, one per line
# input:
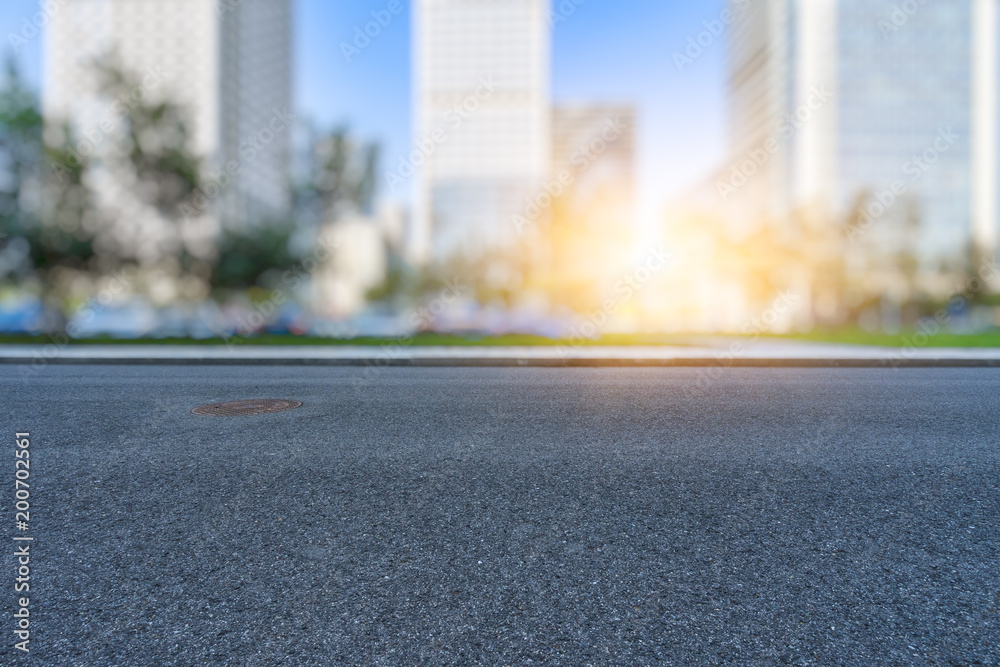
<point x="227" y="63"/>
<point x="881" y="106"/>
<point x="482" y="120"/>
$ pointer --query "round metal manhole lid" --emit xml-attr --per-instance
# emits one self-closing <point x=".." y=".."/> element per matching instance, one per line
<point x="257" y="406"/>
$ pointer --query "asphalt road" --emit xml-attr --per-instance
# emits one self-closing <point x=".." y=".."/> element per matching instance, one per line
<point x="507" y="516"/>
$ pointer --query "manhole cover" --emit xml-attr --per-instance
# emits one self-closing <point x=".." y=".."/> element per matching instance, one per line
<point x="240" y="408"/>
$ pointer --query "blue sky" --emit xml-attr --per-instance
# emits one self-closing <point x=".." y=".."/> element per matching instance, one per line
<point x="608" y="50"/>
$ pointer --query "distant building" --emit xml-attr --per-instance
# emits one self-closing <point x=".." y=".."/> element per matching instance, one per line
<point x="228" y="63"/>
<point x="890" y="105"/>
<point x="482" y="119"/>
<point x="595" y="143"/>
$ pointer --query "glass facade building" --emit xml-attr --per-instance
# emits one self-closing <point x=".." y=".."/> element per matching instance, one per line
<point x="482" y="120"/>
<point x="878" y="106"/>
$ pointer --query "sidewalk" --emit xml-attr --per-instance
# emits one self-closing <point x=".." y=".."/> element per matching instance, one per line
<point x="735" y="353"/>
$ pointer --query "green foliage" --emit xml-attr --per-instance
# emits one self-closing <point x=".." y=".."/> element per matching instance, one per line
<point x="403" y="284"/>
<point x="20" y="147"/>
<point x="49" y="202"/>
<point x="341" y="177"/>
<point x="248" y="256"/>
<point x="158" y="143"/>
<point x="844" y="336"/>
<point x="66" y="229"/>
<point x="46" y="197"/>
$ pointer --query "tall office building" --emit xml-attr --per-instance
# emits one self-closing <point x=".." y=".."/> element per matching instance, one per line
<point x="482" y="120"/>
<point x="226" y="62"/>
<point x="833" y="101"/>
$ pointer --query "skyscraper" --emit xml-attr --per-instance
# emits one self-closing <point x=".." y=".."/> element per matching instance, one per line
<point x="226" y="62"/>
<point x="885" y="106"/>
<point x="482" y="119"/>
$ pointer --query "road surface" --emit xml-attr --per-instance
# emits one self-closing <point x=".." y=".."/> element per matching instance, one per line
<point x="508" y="516"/>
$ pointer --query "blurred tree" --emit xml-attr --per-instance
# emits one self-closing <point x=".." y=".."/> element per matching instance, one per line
<point x="248" y="257"/>
<point x="565" y="257"/>
<point x="49" y="200"/>
<point x="401" y="284"/>
<point x="970" y="274"/>
<point x="20" y="146"/>
<point x="340" y="178"/>
<point x="907" y="260"/>
<point x="558" y="258"/>
<point x="155" y="142"/>
<point x="158" y="143"/>
<point x="43" y="199"/>
<point x="64" y="227"/>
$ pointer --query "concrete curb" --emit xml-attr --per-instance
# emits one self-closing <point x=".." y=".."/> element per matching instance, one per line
<point x="518" y="362"/>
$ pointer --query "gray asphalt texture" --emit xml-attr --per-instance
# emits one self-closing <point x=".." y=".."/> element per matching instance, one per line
<point x="508" y="516"/>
